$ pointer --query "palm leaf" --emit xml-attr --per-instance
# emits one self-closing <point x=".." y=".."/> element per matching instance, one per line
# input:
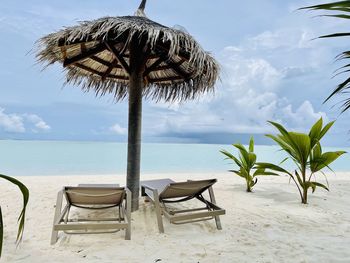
<point x="284" y="160"/>
<point x="244" y="155"/>
<point x="302" y="147"/>
<point x="1" y="231"/>
<point x="344" y="8"/>
<point x="237" y="173"/>
<point x="252" y="159"/>
<point x="339" y="89"/>
<point x="321" y="185"/>
<point x="251" y="144"/>
<point x="281" y="129"/>
<point x="283" y="144"/>
<point x="343" y="5"/>
<point x="230" y="156"/>
<point x="242" y="150"/>
<point x="272" y="167"/>
<point x="300" y="180"/>
<point x="263" y="173"/>
<point x="314" y="184"/>
<point x="25" y="194"/>
<point x="324" y="160"/>
<point x="344" y="16"/>
<point x="315" y="132"/>
<point x="326" y="128"/>
<point x="335" y="35"/>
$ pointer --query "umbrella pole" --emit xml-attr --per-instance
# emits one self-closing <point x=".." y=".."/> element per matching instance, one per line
<point x="137" y="65"/>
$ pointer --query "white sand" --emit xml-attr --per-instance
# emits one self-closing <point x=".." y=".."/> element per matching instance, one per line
<point x="269" y="225"/>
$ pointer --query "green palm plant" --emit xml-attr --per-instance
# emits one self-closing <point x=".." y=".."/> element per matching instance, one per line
<point x="306" y="152"/>
<point x="21" y="218"/>
<point x="246" y="162"/>
<point x="343" y="12"/>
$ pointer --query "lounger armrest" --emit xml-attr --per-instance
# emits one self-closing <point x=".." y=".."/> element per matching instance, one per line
<point x="149" y="187"/>
<point x="152" y="195"/>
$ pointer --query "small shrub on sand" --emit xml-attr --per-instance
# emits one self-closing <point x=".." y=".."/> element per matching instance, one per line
<point x="246" y="162"/>
<point x="306" y="152"/>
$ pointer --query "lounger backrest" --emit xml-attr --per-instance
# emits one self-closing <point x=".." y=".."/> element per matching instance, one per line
<point x="184" y="189"/>
<point x="95" y="195"/>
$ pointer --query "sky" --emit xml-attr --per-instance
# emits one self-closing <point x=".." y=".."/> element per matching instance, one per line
<point x="272" y="68"/>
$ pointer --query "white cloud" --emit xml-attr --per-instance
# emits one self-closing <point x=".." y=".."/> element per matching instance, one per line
<point x="239" y="71"/>
<point x="287" y="38"/>
<point x="38" y="122"/>
<point x="11" y="122"/>
<point x="249" y="95"/>
<point x="303" y="116"/>
<point x="18" y="123"/>
<point x="42" y="126"/>
<point x="117" y="129"/>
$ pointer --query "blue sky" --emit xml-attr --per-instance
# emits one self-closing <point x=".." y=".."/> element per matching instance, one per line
<point x="271" y="70"/>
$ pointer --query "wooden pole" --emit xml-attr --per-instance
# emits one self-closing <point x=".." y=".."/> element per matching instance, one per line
<point x="136" y="84"/>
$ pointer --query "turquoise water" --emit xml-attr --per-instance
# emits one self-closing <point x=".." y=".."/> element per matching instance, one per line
<point x="62" y="158"/>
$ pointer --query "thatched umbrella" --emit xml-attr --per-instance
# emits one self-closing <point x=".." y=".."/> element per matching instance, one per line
<point x="134" y="57"/>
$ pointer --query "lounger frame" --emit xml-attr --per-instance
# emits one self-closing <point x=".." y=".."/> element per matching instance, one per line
<point x="62" y="222"/>
<point x="152" y="190"/>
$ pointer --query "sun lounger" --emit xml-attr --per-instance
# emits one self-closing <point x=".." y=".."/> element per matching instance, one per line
<point x="165" y="191"/>
<point x="90" y="197"/>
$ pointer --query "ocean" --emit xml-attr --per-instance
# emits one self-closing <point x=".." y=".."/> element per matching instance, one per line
<point x="21" y="158"/>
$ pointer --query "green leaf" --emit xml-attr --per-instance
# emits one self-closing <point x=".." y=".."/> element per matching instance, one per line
<point x="237" y="173"/>
<point x="272" y="167"/>
<point x="1" y="231"/>
<point x="307" y="185"/>
<point x="230" y="156"/>
<point x="301" y="146"/>
<point x="253" y="182"/>
<point x="284" y="133"/>
<point x="344" y="16"/>
<point x="242" y="150"/>
<point x="317" y="150"/>
<point x="344" y="8"/>
<point x="313" y="185"/>
<point x="285" y="159"/>
<point x="252" y="160"/>
<point x="25" y="194"/>
<point x="281" y="129"/>
<point x="321" y="185"/>
<point x="335" y="35"/>
<point x="324" y="160"/>
<point x="283" y="144"/>
<point x="264" y="173"/>
<point x="300" y="180"/>
<point x="342" y="5"/>
<point x="251" y="144"/>
<point x="244" y="156"/>
<point x="342" y="86"/>
<point x="315" y="132"/>
<point x="326" y="128"/>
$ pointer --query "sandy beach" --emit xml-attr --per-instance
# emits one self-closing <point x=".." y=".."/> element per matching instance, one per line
<point x="269" y="225"/>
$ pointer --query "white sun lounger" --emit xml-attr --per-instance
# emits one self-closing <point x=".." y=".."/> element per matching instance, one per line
<point x="165" y="191"/>
<point x="92" y="197"/>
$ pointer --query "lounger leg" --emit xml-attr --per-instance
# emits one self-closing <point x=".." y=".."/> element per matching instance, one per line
<point x="67" y="214"/>
<point x="212" y="199"/>
<point x="57" y="214"/>
<point x="158" y="211"/>
<point x="128" y="215"/>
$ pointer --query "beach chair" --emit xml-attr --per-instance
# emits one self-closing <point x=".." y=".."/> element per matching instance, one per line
<point x="92" y="197"/>
<point x="166" y="191"/>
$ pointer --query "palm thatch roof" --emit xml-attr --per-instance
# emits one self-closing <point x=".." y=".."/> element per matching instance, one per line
<point x="95" y="55"/>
